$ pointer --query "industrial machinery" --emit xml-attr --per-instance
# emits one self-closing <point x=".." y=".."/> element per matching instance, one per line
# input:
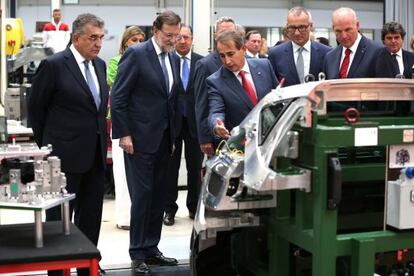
<point x="317" y="180"/>
<point x="29" y="175"/>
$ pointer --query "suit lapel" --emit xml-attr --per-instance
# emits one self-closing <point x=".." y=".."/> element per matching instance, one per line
<point x="73" y="67"/>
<point x="359" y="55"/>
<point x="100" y="73"/>
<point x="233" y="83"/>
<point x="337" y="61"/>
<point x="314" y="59"/>
<point x="155" y="64"/>
<point x="291" y="65"/>
<point x="257" y="77"/>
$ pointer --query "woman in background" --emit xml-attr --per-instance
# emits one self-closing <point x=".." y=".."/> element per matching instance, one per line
<point x="132" y="35"/>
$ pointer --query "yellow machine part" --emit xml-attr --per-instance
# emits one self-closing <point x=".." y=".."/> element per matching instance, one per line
<point x="14" y="35"/>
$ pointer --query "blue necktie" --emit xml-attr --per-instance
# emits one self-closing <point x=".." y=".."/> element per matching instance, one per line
<point x="91" y="84"/>
<point x="165" y="71"/>
<point x="185" y="72"/>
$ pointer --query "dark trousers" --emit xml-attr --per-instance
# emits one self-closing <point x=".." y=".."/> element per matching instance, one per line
<point x="193" y="160"/>
<point x="146" y="178"/>
<point x="86" y="208"/>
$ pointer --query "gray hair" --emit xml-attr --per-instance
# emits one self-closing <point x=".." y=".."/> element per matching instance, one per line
<point x="298" y="10"/>
<point x="222" y="20"/>
<point x="78" y="26"/>
<point x="230" y="35"/>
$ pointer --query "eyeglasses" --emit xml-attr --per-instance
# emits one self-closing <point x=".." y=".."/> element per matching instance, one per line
<point x="169" y="35"/>
<point x="300" y="28"/>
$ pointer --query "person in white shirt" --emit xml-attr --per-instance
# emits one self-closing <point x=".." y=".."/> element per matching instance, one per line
<point x="56" y="34"/>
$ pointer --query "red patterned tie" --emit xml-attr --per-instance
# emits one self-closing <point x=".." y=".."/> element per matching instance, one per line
<point x="345" y="64"/>
<point x="247" y="86"/>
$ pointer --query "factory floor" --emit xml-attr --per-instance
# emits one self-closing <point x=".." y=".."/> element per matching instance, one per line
<point x="113" y="242"/>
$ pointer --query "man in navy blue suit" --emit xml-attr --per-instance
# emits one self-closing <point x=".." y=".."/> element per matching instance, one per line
<point x="67" y="108"/>
<point x="237" y="86"/>
<point x="356" y="55"/>
<point x="393" y="60"/>
<point x="203" y="69"/>
<point x="301" y="56"/>
<point x="142" y="110"/>
<point x="186" y="130"/>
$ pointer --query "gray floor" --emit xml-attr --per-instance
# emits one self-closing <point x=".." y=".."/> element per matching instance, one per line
<point x="113" y="242"/>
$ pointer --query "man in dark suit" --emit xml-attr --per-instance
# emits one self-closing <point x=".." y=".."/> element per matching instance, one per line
<point x="186" y="130"/>
<point x="203" y="69"/>
<point x="238" y="85"/>
<point x="301" y="56"/>
<point x="142" y="112"/>
<point x="356" y="55"/>
<point x="67" y="108"/>
<point x="393" y="60"/>
<point x="253" y="43"/>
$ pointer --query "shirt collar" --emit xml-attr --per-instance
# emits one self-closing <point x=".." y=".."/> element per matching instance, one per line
<point x="296" y="47"/>
<point x="156" y="47"/>
<point x="398" y="54"/>
<point x="78" y="57"/>
<point x="354" y="46"/>
<point x="245" y="68"/>
<point x="250" y="54"/>
<point x="188" y="55"/>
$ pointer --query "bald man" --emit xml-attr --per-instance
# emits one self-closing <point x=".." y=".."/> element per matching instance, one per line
<point x="356" y="55"/>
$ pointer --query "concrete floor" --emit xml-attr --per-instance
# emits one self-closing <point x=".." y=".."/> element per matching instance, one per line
<point x="114" y="242"/>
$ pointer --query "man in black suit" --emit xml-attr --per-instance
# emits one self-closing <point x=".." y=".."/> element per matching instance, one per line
<point x="203" y="69"/>
<point x="393" y="60"/>
<point x="186" y="130"/>
<point x="253" y="43"/>
<point x="356" y="55"/>
<point x="301" y="56"/>
<point x="142" y="112"/>
<point x="67" y="108"/>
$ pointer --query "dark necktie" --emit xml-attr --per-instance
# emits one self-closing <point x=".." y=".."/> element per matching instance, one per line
<point x="395" y="64"/>
<point x="165" y="71"/>
<point x="91" y="84"/>
<point x="185" y="72"/>
<point x="300" y="66"/>
<point x="247" y="86"/>
<point x="345" y="64"/>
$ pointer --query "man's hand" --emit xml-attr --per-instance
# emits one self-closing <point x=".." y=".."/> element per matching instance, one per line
<point x="207" y="148"/>
<point x="220" y="130"/>
<point x="126" y="144"/>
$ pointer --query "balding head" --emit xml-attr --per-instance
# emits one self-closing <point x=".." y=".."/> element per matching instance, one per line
<point x="346" y="26"/>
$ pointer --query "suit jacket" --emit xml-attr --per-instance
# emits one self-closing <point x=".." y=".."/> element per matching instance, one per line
<point x="63" y="112"/>
<point x="186" y="97"/>
<point x="283" y="61"/>
<point x="384" y="66"/>
<point x="203" y="69"/>
<point x="141" y="106"/>
<point x="227" y="99"/>
<point x="363" y="64"/>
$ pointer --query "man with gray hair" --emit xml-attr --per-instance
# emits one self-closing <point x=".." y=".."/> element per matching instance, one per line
<point x="356" y="55"/>
<point x="301" y="56"/>
<point x="67" y="108"/>
<point x="203" y="69"/>
<point x="393" y="60"/>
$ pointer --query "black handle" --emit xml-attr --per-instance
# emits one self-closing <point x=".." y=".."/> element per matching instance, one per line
<point x="334" y="182"/>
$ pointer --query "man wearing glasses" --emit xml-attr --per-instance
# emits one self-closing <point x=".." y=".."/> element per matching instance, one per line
<point x="296" y="59"/>
<point x="142" y="110"/>
<point x="356" y="55"/>
<point x="67" y="108"/>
